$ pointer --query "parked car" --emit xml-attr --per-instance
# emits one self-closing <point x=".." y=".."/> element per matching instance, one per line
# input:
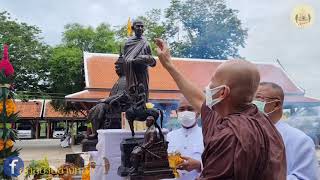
<point x="58" y="132"/>
<point x="24" y="131"/>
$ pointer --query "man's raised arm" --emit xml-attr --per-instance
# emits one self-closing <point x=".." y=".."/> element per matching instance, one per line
<point x="194" y="95"/>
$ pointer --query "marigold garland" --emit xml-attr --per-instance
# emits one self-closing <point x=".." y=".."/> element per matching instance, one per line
<point x="10" y="106"/>
<point x="8" y="144"/>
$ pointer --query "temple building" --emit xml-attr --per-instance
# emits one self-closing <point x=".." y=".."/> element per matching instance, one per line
<point x="100" y="76"/>
<point x="42" y="119"/>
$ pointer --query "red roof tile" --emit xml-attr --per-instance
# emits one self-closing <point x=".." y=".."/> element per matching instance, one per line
<point x="51" y="113"/>
<point x="101" y="76"/>
<point x="29" y="110"/>
<point x="100" y="73"/>
<point x="97" y="94"/>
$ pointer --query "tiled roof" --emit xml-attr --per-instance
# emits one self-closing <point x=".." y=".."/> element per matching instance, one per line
<point x="29" y="110"/>
<point x="51" y="113"/>
<point x="94" y="95"/>
<point x="100" y="77"/>
<point x="33" y="109"/>
<point x="97" y="94"/>
<point x="300" y="101"/>
<point x="100" y="73"/>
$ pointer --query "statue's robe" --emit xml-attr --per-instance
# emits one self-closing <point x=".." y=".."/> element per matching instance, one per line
<point x="241" y="146"/>
<point x="137" y="56"/>
<point x="119" y="86"/>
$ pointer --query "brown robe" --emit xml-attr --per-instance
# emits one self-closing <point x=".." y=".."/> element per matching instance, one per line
<point x="137" y="57"/>
<point x="241" y="146"/>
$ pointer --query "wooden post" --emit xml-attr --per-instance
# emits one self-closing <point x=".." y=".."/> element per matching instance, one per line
<point x="37" y="129"/>
<point x="48" y="129"/>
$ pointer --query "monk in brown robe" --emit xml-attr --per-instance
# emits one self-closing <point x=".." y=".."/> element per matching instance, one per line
<point x="240" y="142"/>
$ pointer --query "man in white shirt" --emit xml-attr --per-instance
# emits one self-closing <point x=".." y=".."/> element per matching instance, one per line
<point x="300" y="149"/>
<point x="187" y="140"/>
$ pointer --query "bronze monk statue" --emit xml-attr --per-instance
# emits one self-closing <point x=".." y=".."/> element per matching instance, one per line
<point x="138" y="57"/>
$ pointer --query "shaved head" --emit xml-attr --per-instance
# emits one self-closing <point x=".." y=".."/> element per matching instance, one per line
<point x="137" y="21"/>
<point x="242" y="77"/>
<point x="274" y="89"/>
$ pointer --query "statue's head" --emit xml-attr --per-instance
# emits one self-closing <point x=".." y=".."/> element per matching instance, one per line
<point x="119" y="66"/>
<point x="138" y="28"/>
<point x="150" y="121"/>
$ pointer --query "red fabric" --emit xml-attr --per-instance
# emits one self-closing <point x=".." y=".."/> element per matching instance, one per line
<point x="5" y="63"/>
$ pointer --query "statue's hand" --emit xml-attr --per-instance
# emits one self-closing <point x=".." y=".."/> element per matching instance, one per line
<point x="147" y="60"/>
<point x="163" y="53"/>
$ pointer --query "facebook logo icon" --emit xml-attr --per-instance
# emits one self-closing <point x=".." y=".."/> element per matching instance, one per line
<point x="13" y="166"/>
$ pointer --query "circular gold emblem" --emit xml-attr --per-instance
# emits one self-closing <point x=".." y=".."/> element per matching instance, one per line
<point x="303" y="16"/>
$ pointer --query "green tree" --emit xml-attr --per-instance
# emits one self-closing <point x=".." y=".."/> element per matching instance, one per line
<point x="154" y="28"/>
<point x="66" y="60"/>
<point x="66" y="75"/>
<point x="99" y="40"/>
<point x="28" y="54"/>
<point x="204" y="29"/>
<point x="66" y="70"/>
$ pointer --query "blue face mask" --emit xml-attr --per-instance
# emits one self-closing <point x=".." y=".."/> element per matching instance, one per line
<point x="260" y="105"/>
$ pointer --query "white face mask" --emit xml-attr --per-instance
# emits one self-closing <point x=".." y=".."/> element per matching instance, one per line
<point x="211" y="92"/>
<point x="187" y="118"/>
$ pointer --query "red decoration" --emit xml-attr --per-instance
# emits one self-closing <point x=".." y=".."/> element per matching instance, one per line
<point x="5" y="63"/>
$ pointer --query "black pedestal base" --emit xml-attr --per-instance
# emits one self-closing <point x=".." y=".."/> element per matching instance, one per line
<point x="154" y="174"/>
<point x="143" y="173"/>
<point x="89" y="145"/>
<point x="126" y="147"/>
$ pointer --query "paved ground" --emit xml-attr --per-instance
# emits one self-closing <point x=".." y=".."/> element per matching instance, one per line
<point x="40" y="148"/>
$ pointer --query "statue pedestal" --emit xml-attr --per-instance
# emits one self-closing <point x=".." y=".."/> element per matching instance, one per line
<point x="89" y="145"/>
<point x="108" y="155"/>
<point x="126" y="147"/>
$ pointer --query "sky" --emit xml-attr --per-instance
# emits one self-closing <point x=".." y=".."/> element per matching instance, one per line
<point x="272" y="34"/>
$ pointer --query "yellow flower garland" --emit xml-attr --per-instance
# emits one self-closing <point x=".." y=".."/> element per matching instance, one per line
<point x="1" y="144"/>
<point x="10" y="106"/>
<point x="9" y="143"/>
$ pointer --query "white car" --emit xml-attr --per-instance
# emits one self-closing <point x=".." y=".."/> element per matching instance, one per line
<point x="24" y="131"/>
<point x="58" y="132"/>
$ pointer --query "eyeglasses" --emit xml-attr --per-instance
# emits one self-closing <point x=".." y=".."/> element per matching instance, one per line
<point x="267" y="99"/>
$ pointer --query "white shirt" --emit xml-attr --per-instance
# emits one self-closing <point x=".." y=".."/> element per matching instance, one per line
<point x="300" y="153"/>
<point x="189" y="142"/>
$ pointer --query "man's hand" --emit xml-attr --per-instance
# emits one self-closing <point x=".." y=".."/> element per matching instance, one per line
<point x="190" y="164"/>
<point x="163" y="53"/>
<point x="193" y="94"/>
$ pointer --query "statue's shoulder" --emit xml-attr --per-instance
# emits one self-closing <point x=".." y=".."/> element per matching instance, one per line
<point x="132" y="38"/>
